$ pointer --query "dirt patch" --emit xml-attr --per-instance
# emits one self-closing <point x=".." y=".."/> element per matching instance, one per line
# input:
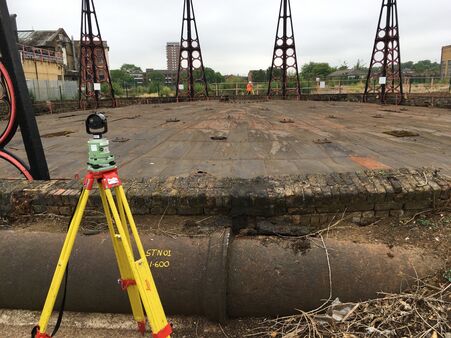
<point x="322" y="141"/>
<point x="57" y="134"/>
<point x="301" y="246"/>
<point x="430" y="231"/>
<point x="401" y="133"/>
<point x="120" y="140"/>
<point x="218" y="138"/>
<point x="67" y="116"/>
<point x="127" y="118"/>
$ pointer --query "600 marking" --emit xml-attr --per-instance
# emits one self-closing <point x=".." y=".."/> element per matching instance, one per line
<point x="159" y="264"/>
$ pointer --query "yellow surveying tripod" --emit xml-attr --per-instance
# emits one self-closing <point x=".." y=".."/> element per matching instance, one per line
<point x="136" y="277"/>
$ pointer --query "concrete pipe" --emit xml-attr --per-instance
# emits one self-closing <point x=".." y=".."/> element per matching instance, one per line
<point x="215" y="276"/>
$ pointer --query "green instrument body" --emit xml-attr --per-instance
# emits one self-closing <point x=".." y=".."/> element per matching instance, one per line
<point x="99" y="156"/>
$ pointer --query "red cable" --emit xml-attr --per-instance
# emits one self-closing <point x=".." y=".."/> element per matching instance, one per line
<point x="17" y="164"/>
<point x="12" y="97"/>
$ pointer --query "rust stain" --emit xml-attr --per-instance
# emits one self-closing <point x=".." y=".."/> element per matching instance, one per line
<point x="368" y="162"/>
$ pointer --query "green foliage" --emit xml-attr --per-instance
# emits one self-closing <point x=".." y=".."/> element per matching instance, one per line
<point x="212" y="76"/>
<point x="154" y="87"/>
<point x="447" y="275"/>
<point x="120" y="76"/>
<point x="424" y="222"/>
<point x="131" y="69"/>
<point x="344" y="66"/>
<point x="118" y="90"/>
<point x="156" y="77"/>
<point x="235" y="79"/>
<point x="259" y="75"/>
<point x="166" y="91"/>
<point x="314" y="70"/>
<point x="423" y="68"/>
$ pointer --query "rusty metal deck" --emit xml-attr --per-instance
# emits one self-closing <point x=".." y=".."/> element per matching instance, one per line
<point x="320" y="137"/>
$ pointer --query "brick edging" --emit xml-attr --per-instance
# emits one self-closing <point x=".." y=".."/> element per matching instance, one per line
<point x="309" y="200"/>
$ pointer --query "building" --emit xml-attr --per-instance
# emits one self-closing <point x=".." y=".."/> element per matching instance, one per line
<point x="170" y="77"/>
<point x="47" y="55"/>
<point x="50" y="54"/>
<point x="348" y="74"/>
<point x="172" y="55"/>
<point x="138" y="78"/>
<point x="446" y="62"/>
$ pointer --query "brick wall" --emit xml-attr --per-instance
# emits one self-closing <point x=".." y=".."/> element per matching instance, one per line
<point x="306" y="200"/>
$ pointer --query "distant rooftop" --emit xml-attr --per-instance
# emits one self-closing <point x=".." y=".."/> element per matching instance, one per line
<point x="41" y="38"/>
<point x="348" y="72"/>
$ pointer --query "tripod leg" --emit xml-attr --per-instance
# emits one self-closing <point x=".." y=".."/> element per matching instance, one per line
<point x="120" y="207"/>
<point x="124" y="268"/>
<point x="140" y="269"/>
<point x="62" y="262"/>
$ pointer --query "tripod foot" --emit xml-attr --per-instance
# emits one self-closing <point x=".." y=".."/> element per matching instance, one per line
<point x="36" y="334"/>
<point x="142" y="327"/>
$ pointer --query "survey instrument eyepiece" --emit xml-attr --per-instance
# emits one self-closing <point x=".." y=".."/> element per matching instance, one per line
<point x="96" y="124"/>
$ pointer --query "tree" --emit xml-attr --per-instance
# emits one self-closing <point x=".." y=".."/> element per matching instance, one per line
<point x="427" y="68"/>
<point x="210" y="75"/>
<point x="344" y="66"/>
<point x="119" y="76"/>
<point x="130" y="68"/>
<point x="315" y="70"/>
<point x="423" y="67"/>
<point x="156" y="77"/>
<point x="259" y="75"/>
<point x="407" y="65"/>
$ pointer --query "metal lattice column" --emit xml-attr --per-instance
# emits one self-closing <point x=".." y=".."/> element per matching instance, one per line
<point x="191" y="71"/>
<point x="284" y="68"/>
<point x="93" y="61"/>
<point x="385" y="73"/>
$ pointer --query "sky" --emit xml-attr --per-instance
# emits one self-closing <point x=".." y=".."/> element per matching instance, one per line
<point x="238" y="35"/>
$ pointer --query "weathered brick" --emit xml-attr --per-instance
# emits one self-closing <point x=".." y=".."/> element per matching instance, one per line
<point x="418" y="205"/>
<point x="388" y="206"/>
<point x="396" y="213"/>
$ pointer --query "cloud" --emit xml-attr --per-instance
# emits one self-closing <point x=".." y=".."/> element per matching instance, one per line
<point x="238" y="35"/>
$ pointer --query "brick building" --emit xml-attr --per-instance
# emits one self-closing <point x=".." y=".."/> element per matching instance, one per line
<point x="446" y="62"/>
<point x="172" y="54"/>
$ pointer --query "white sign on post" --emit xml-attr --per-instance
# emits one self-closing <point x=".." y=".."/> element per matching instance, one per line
<point x="382" y="80"/>
<point x="322" y="84"/>
<point x="318" y="79"/>
<point x="181" y="87"/>
<point x="97" y="86"/>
